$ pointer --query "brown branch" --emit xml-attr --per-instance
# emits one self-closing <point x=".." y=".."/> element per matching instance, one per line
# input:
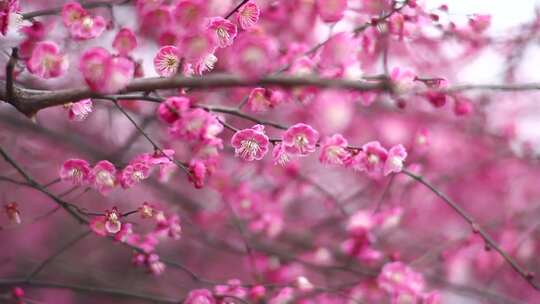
<point x="31" y="181"/>
<point x="143" y="133"/>
<point x="528" y="276"/>
<point x="86" y="289"/>
<point x="56" y="10"/>
<point x="62" y="249"/>
<point x="30" y="101"/>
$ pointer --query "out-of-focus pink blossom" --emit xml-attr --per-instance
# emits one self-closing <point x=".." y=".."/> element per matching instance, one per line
<point x="125" y="41"/>
<point x="334" y="150"/>
<point x="331" y="10"/>
<point x="47" y="61"/>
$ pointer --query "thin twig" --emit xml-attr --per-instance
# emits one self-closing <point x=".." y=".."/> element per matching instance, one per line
<point x="527" y="275"/>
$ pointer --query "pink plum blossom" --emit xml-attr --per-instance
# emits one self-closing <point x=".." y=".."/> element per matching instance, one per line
<point x="248" y="15"/>
<point x="104" y="73"/>
<point x="195" y="48"/>
<point x="125" y="41"/>
<point x="88" y="27"/>
<point x="262" y="99"/>
<point x="172" y="108"/>
<point x="189" y="14"/>
<point x="133" y="173"/>
<point x="76" y="171"/>
<point x="250" y="144"/>
<point x="72" y="12"/>
<point x="394" y="161"/>
<point x="331" y="10"/>
<point x="371" y="159"/>
<point x="224" y="30"/>
<point x="300" y="139"/>
<point x="103" y="176"/>
<point x="78" y="111"/>
<point x="47" y="61"/>
<point x="398" y="278"/>
<point x="167" y="61"/>
<point x="200" y="296"/>
<point x="334" y="150"/>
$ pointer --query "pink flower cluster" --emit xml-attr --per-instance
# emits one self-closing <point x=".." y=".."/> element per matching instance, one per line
<point x="104" y="176"/>
<point x="376" y="161"/>
<point x="195" y="126"/>
<point x="361" y="226"/>
<point x="405" y="285"/>
<point x="105" y="73"/>
<point x="82" y="25"/>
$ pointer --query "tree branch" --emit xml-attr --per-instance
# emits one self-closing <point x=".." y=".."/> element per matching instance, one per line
<point x="528" y="276"/>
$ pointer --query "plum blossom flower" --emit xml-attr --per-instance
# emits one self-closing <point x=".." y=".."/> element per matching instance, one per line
<point x="112" y="221"/>
<point x="334" y="150"/>
<point x="169" y="226"/>
<point x="463" y="106"/>
<point x="198" y="171"/>
<point x="13" y="213"/>
<point x="225" y="31"/>
<point x="340" y="51"/>
<point x="480" y="23"/>
<point x="105" y="73"/>
<point x="403" y="79"/>
<point x="134" y="173"/>
<point x="200" y="296"/>
<point x="280" y="155"/>
<point x="207" y="64"/>
<point x="331" y="10"/>
<point x="124" y="42"/>
<point x="395" y="159"/>
<point x="103" y="176"/>
<point x="361" y="222"/>
<point x="76" y="171"/>
<point x="197" y="47"/>
<point x="72" y="12"/>
<point x="9" y="16"/>
<point x="47" y="61"/>
<point x="196" y="124"/>
<point x="250" y="144"/>
<point x="248" y="15"/>
<point x="167" y="61"/>
<point x="190" y="14"/>
<point x="371" y="159"/>
<point x="253" y="54"/>
<point x="261" y="99"/>
<point x="78" y="111"/>
<point x="146" y="211"/>
<point x="155" y="266"/>
<point x="171" y="109"/>
<point x="88" y="27"/>
<point x="300" y="139"/>
<point x="397" y="278"/>
<point x="233" y="288"/>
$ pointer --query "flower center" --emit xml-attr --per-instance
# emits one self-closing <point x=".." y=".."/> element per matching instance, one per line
<point x="396" y="161"/>
<point x="373" y="159"/>
<point x="249" y="148"/>
<point x="138" y="176"/>
<point x="87" y="23"/>
<point x="301" y="141"/>
<point x="104" y="177"/>
<point x="76" y="174"/>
